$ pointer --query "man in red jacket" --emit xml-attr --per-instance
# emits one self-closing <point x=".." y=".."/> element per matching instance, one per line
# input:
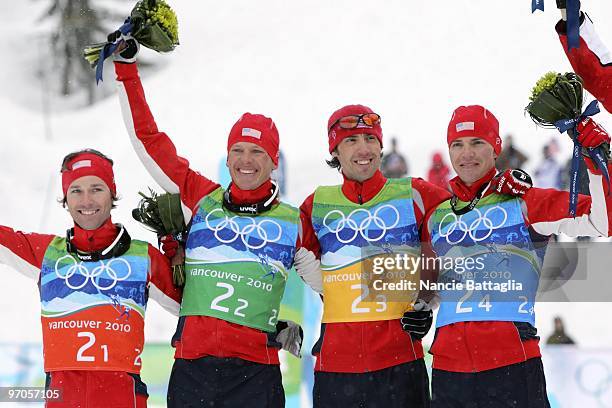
<point x="242" y="243"/>
<point x="364" y="358"/>
<point x="485" y="352"/>
<point x="94" y="285"/>
<point x="592" y="60"/>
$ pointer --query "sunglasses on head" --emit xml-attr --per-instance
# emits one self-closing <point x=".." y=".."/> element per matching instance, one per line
<point x="353" y="121"/>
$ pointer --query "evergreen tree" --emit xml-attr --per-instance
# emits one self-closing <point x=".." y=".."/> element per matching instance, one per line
<point x="77" y="23"/>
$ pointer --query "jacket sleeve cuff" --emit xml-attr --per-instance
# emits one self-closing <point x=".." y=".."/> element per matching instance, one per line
<point x="126" y="71"/>
<point x="561" y="26"/>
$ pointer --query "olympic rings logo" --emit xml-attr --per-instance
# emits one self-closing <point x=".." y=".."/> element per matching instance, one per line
<point x="252" y="229"/>
<point x="360" y="227"/>
<point x="594" y="378"/>
<point x="472" y="229"/>
<point x="104" y="270"/>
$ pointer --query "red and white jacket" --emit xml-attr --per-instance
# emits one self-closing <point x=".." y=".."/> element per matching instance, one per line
<point x="359" y="347"/>
<point x="478" y="346"/>
<point x="592" y="60"/>
<point x="24" y="252"/>
<point x="196" y="336"/>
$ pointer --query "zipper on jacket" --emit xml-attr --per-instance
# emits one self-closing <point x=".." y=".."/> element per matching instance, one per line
<point x="363" y="350"/>
<point x="360" y="199"/>
<point x="218" y="343"/>
<point x="467" y="346"/>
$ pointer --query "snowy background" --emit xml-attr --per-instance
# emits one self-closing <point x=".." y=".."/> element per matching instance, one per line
<point x="295" y="61"/>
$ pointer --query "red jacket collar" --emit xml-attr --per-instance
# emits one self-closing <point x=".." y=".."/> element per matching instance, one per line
<point x="466" y="193"/>
<point x="94" y="240"/>
<point x="262" y="192"/>
<point x="363" y="192"/>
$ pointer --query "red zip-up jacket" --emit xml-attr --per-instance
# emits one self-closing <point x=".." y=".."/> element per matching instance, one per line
<point x="196" y="336"/>
<point x="25" y="253"/>
<point x="479" y="346"/>
<point x="592" y="60"/>
<point x="358" y="347"/>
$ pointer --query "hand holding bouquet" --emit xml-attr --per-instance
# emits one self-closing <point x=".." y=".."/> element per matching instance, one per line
<point x="162" y="214"/>
<point x="152" y="23"/>
<point x="556" y="101"/>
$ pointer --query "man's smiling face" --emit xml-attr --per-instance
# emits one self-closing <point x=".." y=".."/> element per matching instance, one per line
<point x="89" y="202"/>
<point x="249" y="165"/>
<point x="472" y="158"/>
<point x="359" y="156"/>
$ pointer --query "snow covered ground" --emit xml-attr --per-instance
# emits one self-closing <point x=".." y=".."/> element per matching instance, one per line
<point x="297" y="62"/>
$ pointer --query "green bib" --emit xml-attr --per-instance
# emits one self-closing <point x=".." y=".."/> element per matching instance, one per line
<point x="237" y="265"/>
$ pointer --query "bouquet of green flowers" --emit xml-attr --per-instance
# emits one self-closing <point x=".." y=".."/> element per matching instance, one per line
<point x="152" y="23"/>
<point x="162" y="214"/>
<point x="556" y="102"/>
<point x="555" y="97"/>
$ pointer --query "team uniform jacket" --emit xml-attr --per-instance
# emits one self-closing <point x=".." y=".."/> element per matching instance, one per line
<point x="358" y="347"/>
<point x="26" y="253"/>
<point x="592" y="60"/>
<point x="474" y="346"/>
<point x="197" y="336"/>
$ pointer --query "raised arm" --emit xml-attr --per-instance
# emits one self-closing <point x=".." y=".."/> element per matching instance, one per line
<point x="154" y="148"/>
<point x="592" y="60"/>
<point x="23" y="252"/>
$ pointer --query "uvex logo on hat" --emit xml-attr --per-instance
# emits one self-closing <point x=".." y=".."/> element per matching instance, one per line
<point x="251" y="133"/>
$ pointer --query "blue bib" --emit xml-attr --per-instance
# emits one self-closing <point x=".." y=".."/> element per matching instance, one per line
<point x="489" y="266"/>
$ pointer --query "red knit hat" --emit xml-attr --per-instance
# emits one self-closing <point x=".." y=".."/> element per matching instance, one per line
<point x="474" y="121"/>
<point x="88" y="164"/>
<point x="257" y="129"/>
<point x="337" y="134"/>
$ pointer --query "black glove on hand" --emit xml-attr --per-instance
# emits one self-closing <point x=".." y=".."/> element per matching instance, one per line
<point x="290" y="335"/>
<point x="562" y="5"/>
<point x="417" y="323"/>
<point x="526" y="331"/>
<point x="129" y="48"/>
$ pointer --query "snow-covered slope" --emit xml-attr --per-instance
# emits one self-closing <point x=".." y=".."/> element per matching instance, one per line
<point x="296" y="62"/>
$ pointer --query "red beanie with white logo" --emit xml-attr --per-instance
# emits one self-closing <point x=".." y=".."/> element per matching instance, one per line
<point x="88" y="164"/>
<point x="257" y="129"/>
<point x="474" y="121"/>
<point x="337" y="134"/>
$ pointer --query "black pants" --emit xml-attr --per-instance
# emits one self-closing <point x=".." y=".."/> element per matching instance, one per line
<point x="225" y="382"/>
<point x="405" y="385"/>
<point x="519" y="385"/>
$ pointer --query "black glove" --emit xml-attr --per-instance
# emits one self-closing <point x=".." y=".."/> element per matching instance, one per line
<point x="130" y="48"/>
<point x="526" y="331"/>
<point x="290" y="335"/>
<point x="417" y="323"/>
<point x="562" y="5"/>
